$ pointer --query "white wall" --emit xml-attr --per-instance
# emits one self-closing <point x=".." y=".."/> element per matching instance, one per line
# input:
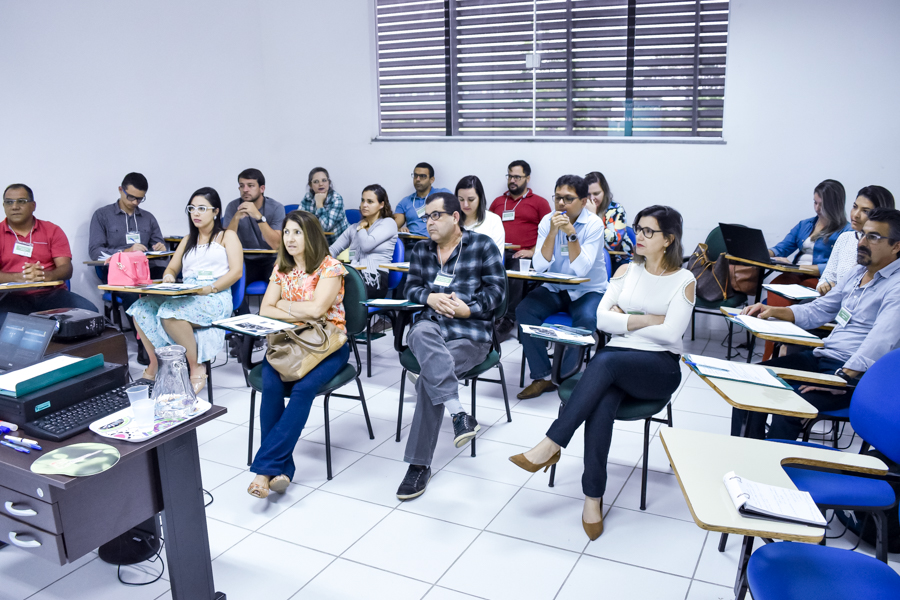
<point x="191" y="92"/>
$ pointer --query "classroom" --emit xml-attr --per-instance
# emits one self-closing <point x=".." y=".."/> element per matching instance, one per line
<point x="196" y="95"/>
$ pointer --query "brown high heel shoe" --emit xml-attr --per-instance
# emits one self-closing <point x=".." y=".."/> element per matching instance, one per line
<point x="520" y="461"/>
<point x="593" y="530"/>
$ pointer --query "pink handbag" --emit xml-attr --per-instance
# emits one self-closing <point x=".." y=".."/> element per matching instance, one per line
<point x="129" y="268"/>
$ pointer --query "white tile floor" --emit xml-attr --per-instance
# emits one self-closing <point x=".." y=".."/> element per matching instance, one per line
<point x="483" y="529"/>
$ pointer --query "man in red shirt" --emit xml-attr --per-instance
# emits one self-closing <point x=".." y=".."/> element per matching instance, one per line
<point x="521" y="211"/>
<point x="32" y="250"/>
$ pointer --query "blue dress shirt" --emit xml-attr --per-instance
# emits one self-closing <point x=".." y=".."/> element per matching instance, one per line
<point x="591" y="261"/>
<point x="410" y="204"/>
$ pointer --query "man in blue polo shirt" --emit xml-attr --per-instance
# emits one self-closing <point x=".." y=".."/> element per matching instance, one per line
<point x="570" y="241"/>
<point x="409" y="211"/>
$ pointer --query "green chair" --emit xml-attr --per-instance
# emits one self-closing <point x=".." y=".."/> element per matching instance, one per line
<point x="410" y="364"/>
<point x="715" y="248"/>
<point x="356" y="313"/>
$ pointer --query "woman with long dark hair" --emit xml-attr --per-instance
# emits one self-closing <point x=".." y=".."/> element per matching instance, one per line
<point x="371" y="241"/>
<point x="477" y="217"/>
<point x="208" y="256"/>
<point x="306" y="285"/>
<point x="646" y="309"/>
<point x="322" y="201"/>
<point x="601" y="203"/>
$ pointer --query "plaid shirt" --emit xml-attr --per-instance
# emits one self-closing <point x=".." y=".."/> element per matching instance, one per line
<point x="331" y="215"/>
<point x="479" y="280"/>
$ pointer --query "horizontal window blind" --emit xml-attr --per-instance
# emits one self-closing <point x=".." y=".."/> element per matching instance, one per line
<point x="647" y="68"/>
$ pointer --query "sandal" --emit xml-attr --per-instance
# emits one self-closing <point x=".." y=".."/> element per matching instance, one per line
<point x="198" y="383"/>
<point x="144" y="375"/>
<point x="279" y="484"/>
<point x="258" y="490"/>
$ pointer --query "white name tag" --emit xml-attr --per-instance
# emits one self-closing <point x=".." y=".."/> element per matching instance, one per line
<point x="509" y="215"/>
<point x="23" y="249"/>
<point x="133" y="238"/>
<point x="352" y="255"/>
<point x="443" y="280"/>
<point x="205" y="275"/>
<point x="420" y="211"/>
<point x="565" y="250"/>
<point x="843" y="317"/>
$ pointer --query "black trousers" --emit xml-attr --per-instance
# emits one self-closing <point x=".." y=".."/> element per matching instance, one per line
<point x="788" y="428"/>
<point x="612" y="374"/>
<point x="376" y="292"/>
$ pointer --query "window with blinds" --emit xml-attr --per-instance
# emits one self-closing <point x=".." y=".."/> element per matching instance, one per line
<point x="634" y="68"/>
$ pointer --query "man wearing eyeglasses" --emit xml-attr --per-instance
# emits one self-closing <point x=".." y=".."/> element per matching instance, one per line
<point x="521" y="210"/>
<point x="32" y="251"/>
<point x="570" y="241"/>
<point x="410" y="209"/>
<point x="865" y="304"/>
<point x="123" y="226"/>
<point x="459" y="277"/>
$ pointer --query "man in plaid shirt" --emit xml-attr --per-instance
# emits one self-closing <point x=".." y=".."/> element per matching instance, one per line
<point x="459" y="276"/>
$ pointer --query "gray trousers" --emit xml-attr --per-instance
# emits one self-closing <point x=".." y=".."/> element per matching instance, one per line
<point x="436" y="383"/>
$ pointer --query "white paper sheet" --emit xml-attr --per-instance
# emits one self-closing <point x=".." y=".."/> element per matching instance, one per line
<point x="772" y="501"/>
<point x="723" y="369"/>
<point x="792" y="290"/>
<point x="772" y="327"/>
<point x="556" y="334"/>
<point x="254" y="324"/>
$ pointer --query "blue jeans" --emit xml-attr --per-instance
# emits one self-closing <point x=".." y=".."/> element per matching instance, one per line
<point x="281" y="425"/>
<point x="534" y="310"/>
<point x="24" y="304"/>
<point x="788" y="428"/>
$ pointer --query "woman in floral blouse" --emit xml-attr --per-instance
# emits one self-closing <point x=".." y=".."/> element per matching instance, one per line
<point x="600" y="202"/>
<point x="307" y="284"/>
<point x="322" y="201"/>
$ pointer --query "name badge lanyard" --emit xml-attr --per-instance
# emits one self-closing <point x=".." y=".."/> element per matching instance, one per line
<point x="844" y="315"/>
<point x="510" y="215"/>
<point x="445" y="279"/>
<point x="132" y="237"/>
<point x="22" y="248"/>
<point x="421" y="210"/>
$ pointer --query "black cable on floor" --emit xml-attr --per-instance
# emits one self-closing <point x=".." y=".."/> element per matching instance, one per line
<point x="152" y="559"/>
<point x="211" y="499"/>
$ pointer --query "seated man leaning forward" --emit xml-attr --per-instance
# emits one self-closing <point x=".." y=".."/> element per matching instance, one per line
<point x="570" y="241"/>
<point x="32" y="251"/>
<point x="458" y="274"/>
<point x="865" y="303"/>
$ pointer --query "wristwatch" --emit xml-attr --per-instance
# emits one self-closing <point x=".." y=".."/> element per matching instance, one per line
<point x="840" y="373"/>
<point x="214" y="290"/>
<point x="572" y="238"/>
<point x="262" y="219"/>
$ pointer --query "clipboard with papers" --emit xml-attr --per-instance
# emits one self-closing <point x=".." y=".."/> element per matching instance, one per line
<point x="724" y="369"/>
<point x="761" y="501"/>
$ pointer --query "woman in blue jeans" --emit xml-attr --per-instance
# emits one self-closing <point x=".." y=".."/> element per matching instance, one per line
<point x="646" y="309"/>
<point x="307" y="284"/>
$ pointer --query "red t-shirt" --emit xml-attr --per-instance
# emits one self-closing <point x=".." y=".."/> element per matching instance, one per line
<point x="530" y="209"/>
<point x="49" y="242"/>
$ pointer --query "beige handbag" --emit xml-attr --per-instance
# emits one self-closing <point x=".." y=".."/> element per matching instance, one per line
<point x="295" y="352"/>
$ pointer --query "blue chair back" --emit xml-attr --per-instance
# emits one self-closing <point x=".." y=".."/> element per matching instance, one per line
<point x="608" y="263"/>
<point x="353" y="215"/>
<point x="394" y="277"/>
<point x="288" y="208"/>
<point x="68" y="285"/>
<point x="238" y="288"/>
<point x="631" y="236"/>
<point x="875" y="408"/>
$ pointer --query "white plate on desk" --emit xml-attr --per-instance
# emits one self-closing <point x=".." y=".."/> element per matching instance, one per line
<point x="127" y="431"/>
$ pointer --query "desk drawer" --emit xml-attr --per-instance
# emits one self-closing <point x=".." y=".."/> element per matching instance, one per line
<point x="33" y="540"/>
<point x="29" y="511"/>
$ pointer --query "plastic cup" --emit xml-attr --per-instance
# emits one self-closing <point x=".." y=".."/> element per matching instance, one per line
<point x="142" y="406"/>
<point x="524" y="265"/>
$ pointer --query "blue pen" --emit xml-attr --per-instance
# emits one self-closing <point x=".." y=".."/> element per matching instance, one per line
<point x="23" y="442"/>
<point x="14" y="447"/>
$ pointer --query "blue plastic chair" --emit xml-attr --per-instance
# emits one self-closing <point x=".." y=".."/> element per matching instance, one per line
<point x="631" y="235"/>
<point x="288" y="208"/>
<point x="394" y="279"/>
<point x="353" y="215"/>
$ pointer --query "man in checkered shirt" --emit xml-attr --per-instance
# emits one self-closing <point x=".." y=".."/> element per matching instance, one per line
<point x="459" y="276"/>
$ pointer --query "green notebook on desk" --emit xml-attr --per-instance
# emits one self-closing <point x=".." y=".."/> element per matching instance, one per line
<point x="46" y="373"/>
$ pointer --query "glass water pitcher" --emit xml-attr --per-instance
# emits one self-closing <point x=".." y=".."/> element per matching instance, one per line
<point x="172" y="391"/>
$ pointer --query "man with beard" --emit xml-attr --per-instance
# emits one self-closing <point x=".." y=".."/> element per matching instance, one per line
<point x="258" y="220"/>
<point x="410" y="209"/>
<point x="521" y="211"/>
<point x="866" y="306"/>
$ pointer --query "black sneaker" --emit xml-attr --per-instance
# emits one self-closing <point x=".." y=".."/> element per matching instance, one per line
<point x="464" y="429"/>
<point x="413" y="486"/>
<point x="142" y="357"/>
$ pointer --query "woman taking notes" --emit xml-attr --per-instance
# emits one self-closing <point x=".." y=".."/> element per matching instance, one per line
<point x="371" y="241"/>
<point x="322" y="201"/>
<point x="646" y="309"/>
<point x="843" y="256"/>
<point x="306" y="285"/>
<point x="210" y="257"/>
<point x="477" y="217"/>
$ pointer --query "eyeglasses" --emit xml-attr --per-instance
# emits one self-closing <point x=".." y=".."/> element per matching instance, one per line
<point x="871" y="237"/>
<point x="565" y="199"/>
<point x="646" y="231"/>
<point x="200" y="209"/>
<point x="420" y="176"/>
<point x="318" y="181"/>
<point x="19" y="201"/>
<point x="434" y="216"/>
<point x="516" y="177"/>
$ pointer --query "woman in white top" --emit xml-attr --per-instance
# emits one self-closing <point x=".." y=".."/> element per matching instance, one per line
<point x="646" y="309"/>
<point x="210" y="257"/>
<point x="478" y="218"/>
<point x="371" y="241"/>
<point x="843" y="256"/>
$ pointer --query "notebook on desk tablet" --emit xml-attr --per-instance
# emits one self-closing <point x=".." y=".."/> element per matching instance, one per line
<point x="23" y="340"/>
<point x="748" y="243"/>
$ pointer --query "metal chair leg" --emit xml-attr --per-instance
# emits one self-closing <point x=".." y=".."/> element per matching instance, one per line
<point x="522" y="372"/>
<point x="400" y="409"/>
<point x="362" y="399"/>
<point x="327" y="438"/>
<point x="250" y="437"/>
<point x="369" y="346"/>
<point x="505" y="394"/>
<point x="209" y="383"/>
<point x="474" y="381"/>
<point x="646" y="463"/>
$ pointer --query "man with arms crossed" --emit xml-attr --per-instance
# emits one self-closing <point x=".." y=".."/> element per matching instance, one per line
<point x="459" y="277"/>
<point x="866" y="306"/>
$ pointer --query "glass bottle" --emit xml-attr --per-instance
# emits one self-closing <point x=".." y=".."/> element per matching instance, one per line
<point x="172" y="391"/>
